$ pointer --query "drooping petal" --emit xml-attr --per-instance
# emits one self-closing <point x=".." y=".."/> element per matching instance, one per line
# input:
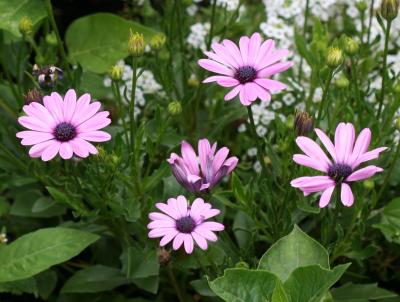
<point x="313" y="150"/>
<point x="251" y="91"/>
<point x="66" y="150"/>
<point x="368" y="156"/>
<point x="346" y="195"/>
<point x="233" y="93"/>
<point x="244" y="99"/>
<point x="51" y="151"/>
<point x="311" y="184"/>
<point x="201" y="242"/>
<point x="364" y="173"/>
<point x="326" y="197"/>
<point x="178" y="240"/>
<point x="188" y="242"/>
<point x="306" y="161"/>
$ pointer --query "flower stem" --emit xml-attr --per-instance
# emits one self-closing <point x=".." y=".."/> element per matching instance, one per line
<point x="175" y="284"/>
<point x="307" y="13"/>
<point x="356" y="87"/>
<point x="117" y="94"/>
<point x="60" y="43"/>
<point x="371" y="14"/>
<point x="324" y="95"/>
<point x="384" y="69"/>
<point x="212" y="24"/>
<point x="260" y="153"/>
<point x="132" y="104"/>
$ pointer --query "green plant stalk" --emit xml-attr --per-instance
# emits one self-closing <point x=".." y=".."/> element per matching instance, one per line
<point x="33" y="44"/>
<point x="306" y="15"/>
<point x="324" y="96"/>
<point x="214" y="5"/>
<point x="356" y="87"/>
<point x="260" y="153"/>
<point x="132" y="105"/>
<point x="384" y="69"/>
<point x="181" y="45"/>
<point x="60" y="43"/>
<point x="371" y="13"/>
<point x="175" y="284"/>
<point x="388" y="175"/>
<point x="117" y="94"/>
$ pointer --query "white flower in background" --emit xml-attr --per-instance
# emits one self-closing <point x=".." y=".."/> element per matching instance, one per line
<point x="252" y="152"/>
<point x="198" y="34"/>
<point x="257" y="167"/>
<point x="276" y="105"/>
<point x="192" y="10"/>
<point x="148" y="83"/>
<point x="288" y="99"/>
<point x="230" y="5"/>
<point x="318" y="95"/>
<point x="261" y="130"/>
<point x="242" y="128"/>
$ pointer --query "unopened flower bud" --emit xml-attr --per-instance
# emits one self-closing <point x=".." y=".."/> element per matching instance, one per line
<point x="175" y="108"/>
<point x="389" y="9"/>
<point x="164" y="257"/>
<point x="342" y="82"/>
<point x="334" y="57"/>
<point x="193" y="81"/>
<point x="116" y="72"/>
<point x="397" y="87"/>
<point x="33" y="95"/>
<point x="25" y="26"/>
<point x="51" y="39"/>
<point x="136" y="44"/>
<point x="289" y="123"/>
<point x="303" y="123"/>
<point x="242" y="264"/>
<point x="351" y="46"/>
<point x="157" y="41"/>
<point x="362" y="6"/>
<point x="368" y="184"/>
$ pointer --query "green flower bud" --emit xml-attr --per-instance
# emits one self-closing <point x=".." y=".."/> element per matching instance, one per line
<point x="175" y="108"/>
<point x="389" y="9"/>
<point x="334" y="57"/>
<point x="362" y="6"/>
<point x="351" y="46"/>
<point x="25" y="26"/>
<point x="242" y="264"/>
<point x="193" y="81"/>
<point x="398" y="123"/>
<point x="397" y="87"/>
<point x="289" y="123"/>
<point x="157" y="41"/>
<point x="342" y="82"/>
<point x="136" y="44"/>
<point x="368" y="184"/>
<point x="116" y="73"/>
<point x="51" y="39"/>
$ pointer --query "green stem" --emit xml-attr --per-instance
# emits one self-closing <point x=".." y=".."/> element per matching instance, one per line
<point x="260" y="153"/>
<point x="384" y="69"/>
<point x="371" y="13"/>
<point x="324" y="96"/>
<point x="117" y="94"/>
<point x="132" y="105"/>
<point x="307" y="13"/>
<point x="356" y="87"/>
<point x="60" y="43"/>
<point x="175" y="284"/>
<point x="212" y="24"/>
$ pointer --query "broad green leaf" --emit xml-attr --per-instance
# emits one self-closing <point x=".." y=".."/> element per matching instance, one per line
<point x="13" y="10"/>
<point x="392" y="212"/>
<point x="202" y="288"/>
<point x="94" y="279"/>
<point x="293" y="251"/>
<point x="244" y="285"/>
<point x="390" y="222"/>
<point x="279" y="294"/>
<point x="140" y="263"/>
<point x="98" y="41"/>
<point x="238" y="189"/>
<point x="309" y="283"/>
<point x="39" y="250"/>
<point x="64" y="199"/>
<point x="19" y="287"/>
<point x="360" y="293"/>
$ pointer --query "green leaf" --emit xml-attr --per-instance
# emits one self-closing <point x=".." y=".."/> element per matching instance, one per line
<point x="309" y="283"/>
<point x="238" y="189"/>
<point x="39" y="250"/>
<point x="360" y="293"/>
<point x="202" y="288"/>
<point x="293" y="251"/>
<point x="86" y="36"/>
<point x="390" y="222"/>
<point x="13" y="10"/>
<point x="140" y="263"/>
<point x="19" y="287"/>
<point x="64" y="199"/>
<point x="279" y="294"/>
<point x="301" y="45"/>
<point x="94" y="279"/>
<point x="244" y="285"/>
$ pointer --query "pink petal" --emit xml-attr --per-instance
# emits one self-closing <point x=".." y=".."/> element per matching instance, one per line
<point x="95" y="136"/>
<point x="40" y="112"/>
<point x="251" y="91"/>
<point x="266" y="48"/>
<point x="273" y="58"/>
<point x="156" y="224"/>
<point x="66" y="151"/>
<point x="168" y="210"/>
<point x="326" y="197"/>
<point x="346" y="195"/>
<point x="274" y="69"/>
<point x="325" y="140"/>
<point x="233" y="51"/>
<point x="215" y="67"/>
<point x="98" y="121"/>
<point x="206" y="233"/>
<point x="270" y="84"/>
<point x="190" y="158"/>
<point x="254" y="47"/>
<point x="159" y="216"/>
<point x="306" y="161"/>
<point x="219" y="158"/>
<point x="244" y="48"/>
<point x="368" y="156"/>
<point x="168" y="237"/>
<point x="182" y="205"/>
<point x="85" y="112"/>
<point x="233" y="93"/>
<point x="364" y="173"/>
<point x="225" y="54"/>
<point x="263" y="94"/>
<point x="213" y="226"/>
<point x="313" y="150"/>
<point x="178" y="240"/>
<point x="188" y="241"/>
<point x="311" y="184"/>
<point x="203" y="149"/>
<point x="33" y="123"/>
<point x="222" y="79"/>
<point x="361" y="145"/>
<point x="160" y="232"/>
<point x="69" y="105"/>
<point x="51" y="151"/>
<point x="37" y="150"/>
<point x="82" y="148"/>
<point x="54" y="104"/>
<point x="201" y="242"/>
<point x="244" y="99"/>
<point x="34" y="137"/>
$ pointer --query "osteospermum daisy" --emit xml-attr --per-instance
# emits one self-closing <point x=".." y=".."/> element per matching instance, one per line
<point x="184" y="223"/>
<point x="63" y="126"/>
<point x="246" y="68"/>
<point x="199" y="173"/>
<point x="348" y="153"/>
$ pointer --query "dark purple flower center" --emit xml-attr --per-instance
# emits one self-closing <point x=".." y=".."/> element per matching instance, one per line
<point x="339" y="172"/>
<point x="185" y="224"/>
<point x="245" y="74"/>
<point x="64" y="132"/>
